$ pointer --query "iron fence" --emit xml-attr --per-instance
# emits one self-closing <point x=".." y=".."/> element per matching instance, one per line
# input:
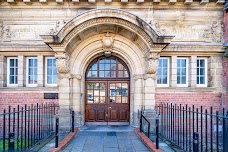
<point x="144" y="125"/>
<point x="23" y="127"/>
<point x="194" y="129"/>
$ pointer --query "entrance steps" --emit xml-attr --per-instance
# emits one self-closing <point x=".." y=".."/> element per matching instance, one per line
<point x="106" y="128"/>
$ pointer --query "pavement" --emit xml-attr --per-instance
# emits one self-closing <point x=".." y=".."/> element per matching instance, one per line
<point x="105" y="139"/>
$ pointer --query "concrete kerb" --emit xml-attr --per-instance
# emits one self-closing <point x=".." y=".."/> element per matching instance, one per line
<point x="150" y="145"/>
<point x="65" y="141"/>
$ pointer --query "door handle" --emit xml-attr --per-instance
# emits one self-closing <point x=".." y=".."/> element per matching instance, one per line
<point x="109" y="107"/>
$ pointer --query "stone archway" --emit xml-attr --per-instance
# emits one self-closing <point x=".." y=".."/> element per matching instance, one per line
<point x="95" y="33"/>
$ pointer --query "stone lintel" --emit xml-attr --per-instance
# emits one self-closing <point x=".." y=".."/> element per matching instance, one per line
<point x="172" y="2"/>
<point x="156" y="1"/>
<point x="140" y="1"/>
<point x="75" y="1"/>
<point x="204" y="2"/>
<point x="108" y="1"/>
<point x="26" y="1"/>
<point x="220" y="2"/>
<point x="43" y="1"/>
<point x="92" y="1"/>
<point x="124" y="1"/>
<point x="10" y="1"/>
<point x="188" y="2"/>
<point x="59" y="1"/>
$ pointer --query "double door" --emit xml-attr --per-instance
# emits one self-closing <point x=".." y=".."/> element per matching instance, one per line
<point x="107" y="102"/>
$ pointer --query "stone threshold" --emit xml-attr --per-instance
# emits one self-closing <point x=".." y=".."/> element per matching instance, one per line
<point x="150" y="145"/>
<point x="65" y="141"/>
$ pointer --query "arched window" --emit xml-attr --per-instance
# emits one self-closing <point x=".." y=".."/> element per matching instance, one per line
<point x="107" y="68"/>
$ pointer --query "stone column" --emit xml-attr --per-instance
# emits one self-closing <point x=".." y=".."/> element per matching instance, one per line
<point x="40" y="71"/>
<point x="173" y="71"/>
<point x="193" y="67"/>
<point x="21" y="71"/>
<point x="76" y="99"/>
<point x="149" y="88"/>
<point x="3" y="71"/>
<point x="62" y="62"/>
<point x="138" y="99"/>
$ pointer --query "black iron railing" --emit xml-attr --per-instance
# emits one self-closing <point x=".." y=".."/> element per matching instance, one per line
<point x="194" y="129"/>
<point x="144" y="125"/>
<point x="23" y="127"/>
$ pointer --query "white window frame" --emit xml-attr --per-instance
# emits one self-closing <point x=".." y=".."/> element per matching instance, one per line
<point x="206" y="69"/>
<point x="184" y="85"/>
<point x="46" y="73"/>
<point x="168" y="74"/>
<point x="27" y="72"/>
<point x="8" y="72"/>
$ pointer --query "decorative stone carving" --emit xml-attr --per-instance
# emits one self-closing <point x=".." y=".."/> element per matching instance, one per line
<point x="77" y="76"/>
<point x="58" y="25"/>
<point x="62" y="62"/>
<point x="5" y="34"/>
<point x="107" y="42"/>
<point x="152" y="63"/>
<point x="138" y="76"/>
<point x="146" y="76"/>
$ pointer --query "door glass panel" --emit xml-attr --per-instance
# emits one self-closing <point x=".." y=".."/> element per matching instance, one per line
<point x="102" y="99"/>
<point x="124" y="99"/>
<point x="118" y="99"/>
<point x="112" y="100"/>
<point x="96" y="92"/>
<point x="96" y="100"/>
<point x="102" y="92"/>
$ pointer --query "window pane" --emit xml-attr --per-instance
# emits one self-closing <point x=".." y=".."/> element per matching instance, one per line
<point x="183" y="63"/>
<point x="15" y="79"/>
<point x="124" y="99"/>
<point x="49" y="79"/>
<point x="165" y="62"/>
<point x="198" y="80"/>
<point x="89" y="74"/>
<point x="49" y="62"/>
<point x="183" y="71"/>
<point x="54" y="71"/>
<point x="96" y="100"/>
<point x="90" y="86"/>
<point x="178" y="62"/>
<point x="120" y="73"/>
<point x="94" y="74"/>
<point x="102" y="61"/>
<point x="113" y="61"/>
<point x="178" y="71"/>
<point x="202" y="63"/>
<point x="202" y="80"/>
<point x="54" y="62"/>
<point x="11" y="62"/>
<point x="107" y="66"/>
<point x="94" y="67"/>
<point x="160" y="63"/>
<point x="197" y="71"/>
<point x="164" y="80"/>
<point x="197" y="63"/>
<point x="11" y="71"/>
<point x="126" y="74"/>
<point x="113" y="66"/>
<point x="178" y="80"/>
<point x="35" y="71"/>
<point x="101" y="74"/>
<point x="30" y="71"/>
<point x="102" y="99"/>
<point x="11" y="80"/>
<point x="30" y="62"/>
<point x="107" y="73"/>
<point x="101" y="66"/>
<point x="35" y="62"/>
<point x="16" y="62"/>
<point x="97" y="86"/>
<point x="113" y="73"/>
<point x="183" y="80"/>
<point x="55" y="79"/>
<point x="112" y="100"/>
<point x="107" y="60"/>
<point x="202" y="72"/>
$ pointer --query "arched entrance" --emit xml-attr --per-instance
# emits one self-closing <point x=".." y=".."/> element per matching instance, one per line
<point x="107" y="92"/>
<point x="92" y="34"/>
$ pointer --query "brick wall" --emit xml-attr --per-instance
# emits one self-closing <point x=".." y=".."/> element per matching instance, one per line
<point x="206" y="100"/>
<point x="14" y="99"/>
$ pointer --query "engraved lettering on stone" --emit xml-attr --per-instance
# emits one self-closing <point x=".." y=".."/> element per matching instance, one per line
<point x="62" y="62"/>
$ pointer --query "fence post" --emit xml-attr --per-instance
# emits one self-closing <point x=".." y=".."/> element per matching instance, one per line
<point x="141" y="122"/>
<point x="72" y="127"/>
<point x="225" y="133"/>
<point x="157" y="132"/>
<point x="195" y="142"/>
<point x="11" y="143"/>
<point x="56" y="132"/>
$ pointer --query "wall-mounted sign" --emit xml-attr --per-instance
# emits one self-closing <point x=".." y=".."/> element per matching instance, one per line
<point x="50" y="95"/>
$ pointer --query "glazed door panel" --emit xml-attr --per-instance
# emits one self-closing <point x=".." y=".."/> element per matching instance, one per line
<point x="107" y="101"/>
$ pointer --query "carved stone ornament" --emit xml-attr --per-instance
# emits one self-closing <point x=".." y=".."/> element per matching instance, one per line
<point x="107" y="42"/>
<point x="152" y="63"/>
<point x="62" y="62"/>
<point x="5" y="33"/>
<point x="147" y="76"/>
<point x="77" y="76"/>
<point x="138" y="76"/>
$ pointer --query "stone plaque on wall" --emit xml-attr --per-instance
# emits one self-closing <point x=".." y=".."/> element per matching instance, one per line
<point x="50" y="95"/>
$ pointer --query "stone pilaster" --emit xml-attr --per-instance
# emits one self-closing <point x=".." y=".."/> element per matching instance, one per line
<point x="76" y="100"/>
<point x="215" y="71"/>
<point x="193" y="68"/>
<point x="40" y="70"/>
<point x="62" y="61"/>
<point x="21" y="71"/>
<point x="3" y="71"/>
<point x="173" y="71"/>
<point x="138" y="98"/>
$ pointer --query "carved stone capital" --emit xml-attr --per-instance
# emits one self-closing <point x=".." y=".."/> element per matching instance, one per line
<point x="153" y="76"/>
<point x="152" y="63"/>
<point x="138" y="76"/>
<point x="77" y="76"/>
<point x="64" y="75"/>
<point x="62" y="62"/>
